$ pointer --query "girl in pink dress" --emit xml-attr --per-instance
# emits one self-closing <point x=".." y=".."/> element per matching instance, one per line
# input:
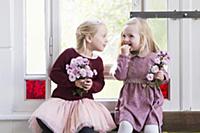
<point x="140" y="103"/>
<point x="71" y="108"/>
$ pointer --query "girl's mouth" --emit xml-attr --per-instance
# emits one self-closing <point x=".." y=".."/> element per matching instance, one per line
<point x="127" y="44"/>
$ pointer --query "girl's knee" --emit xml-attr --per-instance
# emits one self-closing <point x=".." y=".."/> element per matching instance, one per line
<point x="151" y="129"/>
<point x="125" y="127"/>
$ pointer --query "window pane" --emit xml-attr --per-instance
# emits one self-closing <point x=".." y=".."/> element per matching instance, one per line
<point x="113" y="12"/>
<point x="158" y="26"/>
<point x="156" y="5"/>
<point x="111" y="89"/>
<point x="35" y="37"/>
<point x="159" y="29"/>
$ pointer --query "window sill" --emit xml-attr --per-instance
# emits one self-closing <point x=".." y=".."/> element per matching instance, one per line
<point x="15" y="116"/>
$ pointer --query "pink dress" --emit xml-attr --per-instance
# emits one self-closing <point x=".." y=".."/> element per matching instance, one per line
<point x="65" y="112"/>
<point x="138" y="103"/>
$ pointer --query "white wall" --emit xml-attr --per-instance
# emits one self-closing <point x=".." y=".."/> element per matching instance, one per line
<point x="195" y="46"/>
<point x="10" y="121"/>
<point x="6" y="67"/>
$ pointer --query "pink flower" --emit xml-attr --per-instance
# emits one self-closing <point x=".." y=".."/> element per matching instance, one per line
<point x="160" y="63"/>
<point x="157" y="60"/>
<point x="72" y="77"/>
<point x="79" y="68"/>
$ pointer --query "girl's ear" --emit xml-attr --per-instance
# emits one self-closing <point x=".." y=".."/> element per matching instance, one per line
<point x="88" y="38"/>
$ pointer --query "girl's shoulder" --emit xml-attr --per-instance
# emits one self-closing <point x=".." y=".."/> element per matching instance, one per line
<point x="69" y="50"/>
<point x="97" y="60"/>
<point x="151" y="56"/>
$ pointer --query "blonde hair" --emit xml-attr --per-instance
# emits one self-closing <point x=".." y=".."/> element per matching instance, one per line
<point x="89" y="27"/>
<point x="146" y="37"/>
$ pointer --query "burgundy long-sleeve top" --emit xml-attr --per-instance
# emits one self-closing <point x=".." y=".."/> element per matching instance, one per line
<point x="64" y="87"/>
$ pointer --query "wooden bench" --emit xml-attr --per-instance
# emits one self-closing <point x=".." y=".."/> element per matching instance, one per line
<point x="180" y="121"/>
<point x="185" y="121"/>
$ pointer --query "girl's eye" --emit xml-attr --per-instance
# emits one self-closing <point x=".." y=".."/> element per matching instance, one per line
<point x="131" y="35"/>
<point x="123" y="35"/>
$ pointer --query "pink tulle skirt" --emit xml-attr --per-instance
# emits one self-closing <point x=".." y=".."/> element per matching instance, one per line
<point x="63" y="116"/>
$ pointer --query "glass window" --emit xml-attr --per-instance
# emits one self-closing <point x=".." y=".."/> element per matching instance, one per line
<point x="31" y="70"/>
<point x="35" y="49"/>
<point x="35" y="37"/>
<point x="159" y="29"/>
<point x="114" y="13"/>
<point x="155" y="5"/>
<point x="158" y="26"/>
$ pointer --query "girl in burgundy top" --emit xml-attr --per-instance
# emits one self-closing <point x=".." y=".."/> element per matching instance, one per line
<point x="71" y="109"/>
<point x="140" y="104"/>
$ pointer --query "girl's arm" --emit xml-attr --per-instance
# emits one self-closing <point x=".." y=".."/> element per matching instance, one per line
<point x="122" y="67"/>
<point x="58" y="72"/>
<point x="98" y="81"/>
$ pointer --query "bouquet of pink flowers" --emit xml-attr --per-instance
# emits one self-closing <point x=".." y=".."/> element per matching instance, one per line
<point x="160" y="63"/>
<point x="79" y="69"/>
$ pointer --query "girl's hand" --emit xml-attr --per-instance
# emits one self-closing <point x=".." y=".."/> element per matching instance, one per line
<point x="87" y="84"/>
<point x="79" y="83"/>
<point x="125" y="50"/>
<point x="160" y="75"/>
<point x="84" y="84"/>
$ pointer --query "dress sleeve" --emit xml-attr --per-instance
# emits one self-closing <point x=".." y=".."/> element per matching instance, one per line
<point x="58" y="72"/>
<point x="98" y="81"/>
<point x="121" y="70"/>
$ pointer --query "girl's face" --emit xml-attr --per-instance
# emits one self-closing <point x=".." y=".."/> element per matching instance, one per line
<point x="130" y="36"/>
<point x="99" y="41"/>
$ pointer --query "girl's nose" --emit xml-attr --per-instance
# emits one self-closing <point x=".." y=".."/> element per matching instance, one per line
<point x="126" y="38"/>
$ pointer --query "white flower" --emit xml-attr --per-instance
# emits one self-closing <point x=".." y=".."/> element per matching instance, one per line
<point x="90" y="73"/>
<point x="67" y="66"/>
<point x="154" y="69"/>
<point x="83" y="72"/>
<point x="95" y="72"/>
<point x="150" y="76"/>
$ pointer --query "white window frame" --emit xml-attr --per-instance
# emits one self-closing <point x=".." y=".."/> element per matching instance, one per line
<point x="20" y="103"/>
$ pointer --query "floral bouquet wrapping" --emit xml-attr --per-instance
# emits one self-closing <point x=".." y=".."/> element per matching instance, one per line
<point x="79" y="69"/>
<point x="160" y="63"/>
